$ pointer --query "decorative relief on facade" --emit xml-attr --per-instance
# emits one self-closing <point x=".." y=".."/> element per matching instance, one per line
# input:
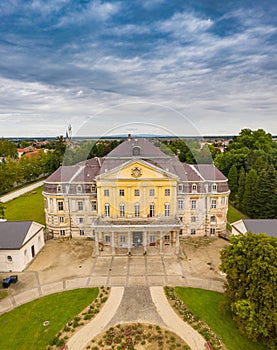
<point x="136" y="172"/>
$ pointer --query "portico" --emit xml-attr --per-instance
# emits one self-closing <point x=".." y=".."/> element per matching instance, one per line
<point x="129" y="235"/>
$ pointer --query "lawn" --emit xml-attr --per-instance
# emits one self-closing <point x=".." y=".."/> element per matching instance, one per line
<point x="234" y="215"/>
<point x="205" y="305"/>
<point x="22" y="328"/>
<point x="28" y="207"/>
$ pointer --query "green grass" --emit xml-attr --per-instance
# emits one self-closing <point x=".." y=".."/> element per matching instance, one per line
<point x="205" y="305"/>
<point x="22" y="328"/>
<point x="234" y="214"/>
<point x="29" y="206"/>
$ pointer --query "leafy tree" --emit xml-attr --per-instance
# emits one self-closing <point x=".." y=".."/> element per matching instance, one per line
<point x="241" y="186"/>
<point x="248" y="201"/>
<point x="2" y="210"/>
<point x="7" y="149"/>
<point x="233" y="181"/>
<point x="250" y="265"/>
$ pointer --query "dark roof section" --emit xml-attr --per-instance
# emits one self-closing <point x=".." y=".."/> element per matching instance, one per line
<point x="209" y="172"/>
<point x="147" y="150"/>
<point x="269" y="226"/>
<point x="12" y="233"/>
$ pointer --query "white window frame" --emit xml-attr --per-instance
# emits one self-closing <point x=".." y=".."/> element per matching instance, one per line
<point x="152" y="210"/>
<point x="80" y="205"/>
<point x="180" y="204"/>
<point x="60" y="206"/>
<point x="122" y="239"/>
<point x="62" y="233"/>
<point x="79" y="189"/>
<point x="214" y="187"/>
<point x="152" y="192"/>
<point x="121" y="192"/>
<point x="193" y="218"/>
<point x="193" y="231"/>
<point x="136" y="192"/>
<point x="167" y="192"/>
<point x="82" y="232"/>
<point x="107" y="211"/>
<point x="122" y="210"/>
<point x="166" y="209"/>
<point x="107" y="239"/>
<point x="81" y="220"/>
<point x="193" y="204"/>
<point x="61" y="219"/>
<point x="194" y="188"/>
<point x="106" y="192"/>
<point x="137" y="210"/>
<point x="212" y="230"/>
<point x="213" y="204"/>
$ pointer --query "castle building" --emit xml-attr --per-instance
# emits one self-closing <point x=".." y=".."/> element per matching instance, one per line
<point x="136" y="196"/>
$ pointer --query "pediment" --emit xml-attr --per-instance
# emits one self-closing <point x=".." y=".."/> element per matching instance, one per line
<point x="137" y="170"/>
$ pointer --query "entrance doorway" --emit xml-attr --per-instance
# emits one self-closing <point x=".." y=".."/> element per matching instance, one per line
<point x="137" y="239"/>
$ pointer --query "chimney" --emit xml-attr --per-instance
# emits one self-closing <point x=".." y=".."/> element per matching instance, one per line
<point x="129" y="137"/>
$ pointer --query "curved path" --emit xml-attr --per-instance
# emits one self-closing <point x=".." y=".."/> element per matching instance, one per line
<point x="14" y="194"/>
<point x="136" y="304"/>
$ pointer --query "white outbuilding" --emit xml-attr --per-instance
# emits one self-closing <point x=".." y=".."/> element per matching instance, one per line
<point x="20" y="242"/>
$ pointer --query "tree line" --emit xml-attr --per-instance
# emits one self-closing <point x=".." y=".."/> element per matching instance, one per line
<point x="250" y="163"/>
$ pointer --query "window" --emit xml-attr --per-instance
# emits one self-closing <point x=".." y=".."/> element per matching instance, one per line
<point x="222" y="200"/>
<point x="214" y="187"/>
<point x="9" y="258"/>
<point x="213" y="203"/>
<point x="106" y="193"/>
<point x="136" y="151"/>
<point x="152" y="239"/>
<point x="152" y="192"/>
<point x="181" y="232"/>
<point x="93" y="205"/>
<point x="193" y="219"/>
<point x="61" y="219"/>
<point x="167" y="192"/>
<point x="180" y="188"/>
<point x="79" y="189"/>
<point x="59" y="188"/>
<point x="82" y="232"/>
<point x="194" y="188"/>
<point x="213" y="218"/>
<point x="152" y="210"/>
<point x="121" y="193"/>
<point x="212" y="230"/>
<point x="180" y="204"/>
<point x="92" y="188"/>
<point x="81" y="220"/>
<point x="192" y="231"/>
<point x="193" y="204"/>
<point x="166" y="209"/>
<point x="136" y="192"/>
<point x="60" y="205"/>
<point x="122" y="210"/>
<point x="122" y="239"/>
<point x="80" y="206"/>
<point x="107" y="210"/>
<point x="167" y="238"/>
<point x="137" y="210"/>
<point x="107" y="239"/>
<point x="62" y="232"/>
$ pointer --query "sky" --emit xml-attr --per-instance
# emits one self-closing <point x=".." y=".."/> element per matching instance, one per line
<point x="159" y="67"/>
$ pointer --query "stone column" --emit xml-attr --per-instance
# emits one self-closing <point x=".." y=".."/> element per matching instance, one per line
<point x="129" y="242"/>
<point x="96" y="243"/>
<point x="113" y="243"/>
<point x="144" y="242"/>
<point x="161" y="241"/>
<point x="177" y="242"/>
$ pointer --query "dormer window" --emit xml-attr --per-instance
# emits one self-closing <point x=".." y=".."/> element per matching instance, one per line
<point x="92" y="188"/>
<point x="59" y="188"/>
<point x="194" y="188"/>
<point x="214" y="187"/>
<point x="136" y="151"/>
<point x="79" y="188"/>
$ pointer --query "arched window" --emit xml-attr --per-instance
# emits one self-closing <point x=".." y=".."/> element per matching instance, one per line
<point x="59" y="188"/>
<point x="194" y="188"/>
<point x="136" y="151"/>
<point x="214" y="187"/>
<point x="79" y="188"/>
<point x="152" y="210"/>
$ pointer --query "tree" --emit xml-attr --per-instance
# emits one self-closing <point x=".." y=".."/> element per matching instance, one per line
<point x="2" y="211"/>
<point x="7" y="149"/>
<point x="250" y="265"/>
<point x="266" y="194"/>
<point x="248" y="201"/>
<point x="233" y="181"/>
<point x="241" y="186"/>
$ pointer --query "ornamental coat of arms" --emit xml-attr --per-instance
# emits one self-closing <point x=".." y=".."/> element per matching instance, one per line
<point x="136" y="172"/>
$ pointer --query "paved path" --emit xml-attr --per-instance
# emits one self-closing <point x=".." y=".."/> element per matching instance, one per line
<point x="14" y="194"/>
<point x="136" y="304"/>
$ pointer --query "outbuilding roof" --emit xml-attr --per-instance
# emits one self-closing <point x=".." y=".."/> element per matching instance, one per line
<point x="13" y="233"/>
<point x="269" y="226"/>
